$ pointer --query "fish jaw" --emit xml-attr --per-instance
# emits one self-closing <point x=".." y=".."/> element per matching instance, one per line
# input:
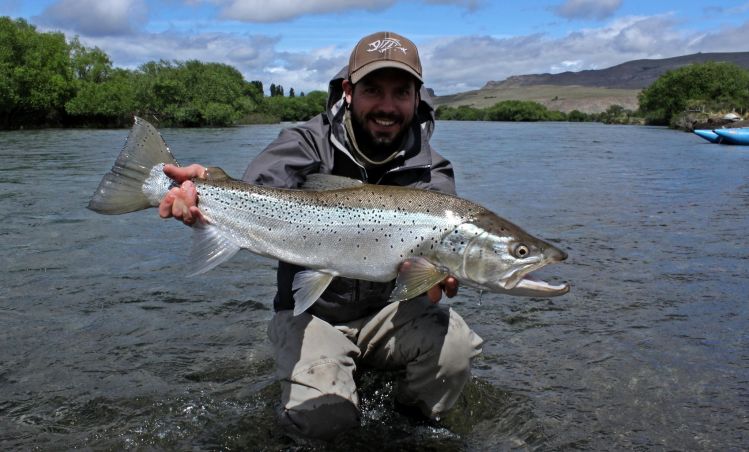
<point x="531" y="287"/>
<point x="549" y="254"/>
<point x="499" y="257"/>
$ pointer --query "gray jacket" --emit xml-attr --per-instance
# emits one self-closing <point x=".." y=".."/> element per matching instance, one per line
<point x="320" y="145"/>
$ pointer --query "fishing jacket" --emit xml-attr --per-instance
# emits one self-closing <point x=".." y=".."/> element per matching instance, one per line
<point x="321" y="145"/>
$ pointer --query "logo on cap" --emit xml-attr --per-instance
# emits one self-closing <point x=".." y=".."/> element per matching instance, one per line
<point x="383" y="45"/>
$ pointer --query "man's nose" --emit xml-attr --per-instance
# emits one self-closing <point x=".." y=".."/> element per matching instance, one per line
<point x="387" y="103"/>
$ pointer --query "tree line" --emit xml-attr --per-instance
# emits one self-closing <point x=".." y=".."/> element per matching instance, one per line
<point x="530" y="111"/>
<point x="46" y="81"/>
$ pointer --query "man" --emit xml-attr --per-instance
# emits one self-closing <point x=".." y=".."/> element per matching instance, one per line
<point x="376" y="128"/>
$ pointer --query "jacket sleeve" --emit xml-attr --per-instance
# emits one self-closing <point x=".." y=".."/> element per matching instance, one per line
<point x="286" y="161"/>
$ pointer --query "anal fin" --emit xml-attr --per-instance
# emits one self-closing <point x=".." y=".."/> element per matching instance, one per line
<point x="210" y="247"/>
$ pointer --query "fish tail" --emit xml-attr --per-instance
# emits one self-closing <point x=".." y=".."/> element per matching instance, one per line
<point x="137" y="180"/>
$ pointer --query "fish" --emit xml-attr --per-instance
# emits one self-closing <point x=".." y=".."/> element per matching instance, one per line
<point x="337" y="227"/>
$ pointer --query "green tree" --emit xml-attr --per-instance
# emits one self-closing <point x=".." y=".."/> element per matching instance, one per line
<point x="718" y="86"/>
<point x="461" y="113"/>
<point x="577" y="116"/>
<point x="111" y="102"/>
<point x="90" y="65"/>
<point x="517" y="110"/>
<point x="194" y="94"/>
<point x="258" y="85"/>
<point x="104" y="96"/>
<point x="35" y="75"/>
<point x="295" y="108"/>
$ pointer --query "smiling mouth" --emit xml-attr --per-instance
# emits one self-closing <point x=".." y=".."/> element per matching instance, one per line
<point x="384" y="122"/>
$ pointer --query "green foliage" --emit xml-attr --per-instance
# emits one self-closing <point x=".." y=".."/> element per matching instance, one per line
<point x="517" y="110"/>
<point x="299" y="108"/>
<point x="461" y="113"/>
<point x="616" y="114"/>
<point x="110" y="102"/>
<point x="577" y="116"/>
<point x="276" y="90"/>
<point x="35" y="75"/>
<point x="712" y="86"/>
<point x="193" y="93"/>
<point x="508" y="110"/>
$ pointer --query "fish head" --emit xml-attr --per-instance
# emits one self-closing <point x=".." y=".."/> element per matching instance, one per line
<point x="500" y="257"/>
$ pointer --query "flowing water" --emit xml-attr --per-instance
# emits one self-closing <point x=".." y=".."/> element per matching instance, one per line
<point x="106" y="344"/>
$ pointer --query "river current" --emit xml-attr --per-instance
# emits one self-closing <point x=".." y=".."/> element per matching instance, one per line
<point x="105" y="343"/>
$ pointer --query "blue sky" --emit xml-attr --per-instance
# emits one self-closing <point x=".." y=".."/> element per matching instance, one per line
<point x="463" y="43"/>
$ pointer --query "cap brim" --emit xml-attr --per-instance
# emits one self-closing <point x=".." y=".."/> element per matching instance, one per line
<point x="377" y="65"/>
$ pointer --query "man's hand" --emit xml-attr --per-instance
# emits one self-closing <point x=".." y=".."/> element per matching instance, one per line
<point x="182" y="202"/>
<point x="449" y="285"/>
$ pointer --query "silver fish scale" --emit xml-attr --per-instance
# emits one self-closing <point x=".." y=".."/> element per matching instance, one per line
<point x="369" y="229"/>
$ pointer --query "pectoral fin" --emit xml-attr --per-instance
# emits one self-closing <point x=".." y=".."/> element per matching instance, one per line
<point x="417" y="275"/>
<point x="308" y="285"/>
<point x="210" y="247"/>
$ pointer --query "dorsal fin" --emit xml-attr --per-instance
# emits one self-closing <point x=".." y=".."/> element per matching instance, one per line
<point x="322" y="182"/>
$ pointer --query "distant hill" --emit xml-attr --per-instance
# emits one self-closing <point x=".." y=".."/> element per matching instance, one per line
<point x="590" y="91"/>
<point x="636" y="74"/>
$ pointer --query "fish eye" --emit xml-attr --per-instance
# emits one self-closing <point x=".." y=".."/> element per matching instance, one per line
<point x="520" y="251"/>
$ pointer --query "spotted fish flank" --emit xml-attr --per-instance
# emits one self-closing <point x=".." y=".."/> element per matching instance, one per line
<point x="338" y="227"/>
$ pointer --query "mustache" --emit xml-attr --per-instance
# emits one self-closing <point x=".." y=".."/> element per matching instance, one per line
<point x="386" y="116"/>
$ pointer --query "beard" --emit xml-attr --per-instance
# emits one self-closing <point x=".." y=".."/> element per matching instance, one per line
<point x="378" y="144"/>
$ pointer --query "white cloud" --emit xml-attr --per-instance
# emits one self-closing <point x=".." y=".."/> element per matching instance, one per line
<point x="468" y="62"/>
<point x="96" y="17"/>
<point x="587" y="9"/>
<point x="729" y="39"/>
<point x="283" y="10"/>
<point x="567" y="65"/>
<point x="280" y="10"/>
<point x="470" y="5"/>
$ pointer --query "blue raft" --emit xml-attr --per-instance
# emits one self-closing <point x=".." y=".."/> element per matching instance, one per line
<point x="708" y="134"/>
<point x="739" y="135"/>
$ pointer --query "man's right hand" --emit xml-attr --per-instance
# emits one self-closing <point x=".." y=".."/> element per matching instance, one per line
<point x="182" y="202"/>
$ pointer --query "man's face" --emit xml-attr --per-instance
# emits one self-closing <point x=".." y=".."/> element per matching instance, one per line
<point x="382" y="107"/>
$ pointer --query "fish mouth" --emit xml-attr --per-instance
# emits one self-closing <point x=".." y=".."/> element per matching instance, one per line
<point x="522" y="283"/>
<point x="529" y="286"/>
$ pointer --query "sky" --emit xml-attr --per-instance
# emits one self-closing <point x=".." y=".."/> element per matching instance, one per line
<point x="463" y="44"/>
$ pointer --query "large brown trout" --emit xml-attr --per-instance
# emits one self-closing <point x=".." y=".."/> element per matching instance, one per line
<point x="336" y="226"/>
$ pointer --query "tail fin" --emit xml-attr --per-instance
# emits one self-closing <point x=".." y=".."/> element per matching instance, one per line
<point x="136" y="181"/>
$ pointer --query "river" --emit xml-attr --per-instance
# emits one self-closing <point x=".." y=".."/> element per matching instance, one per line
<point x="105" y="343"/>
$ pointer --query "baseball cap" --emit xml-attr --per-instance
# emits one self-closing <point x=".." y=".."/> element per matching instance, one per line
<point x="381" y="50"/>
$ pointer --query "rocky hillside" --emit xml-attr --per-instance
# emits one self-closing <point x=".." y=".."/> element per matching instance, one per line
<point x="590" y="91"/>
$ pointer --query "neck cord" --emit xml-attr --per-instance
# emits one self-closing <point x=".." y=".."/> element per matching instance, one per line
<point x="359" y="154"/>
